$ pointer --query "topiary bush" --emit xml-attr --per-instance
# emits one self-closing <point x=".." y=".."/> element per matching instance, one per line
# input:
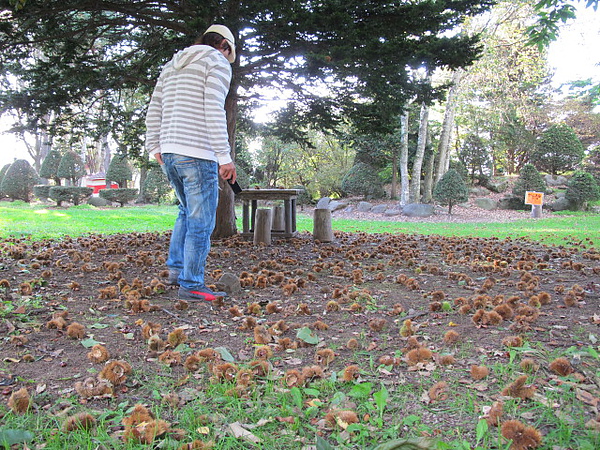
<point x="121" y="195"/>
<point x="582" y="188"/>
<point x="529" y="180"/>
<point x="42" y="191"/>
<point x="2" y="173"/>
<point x="157" y="186"/>
<point x="119" y="171"/>
<point x="18" y="181"/>
<point x="451" y="189"/>
<point x="557" y="150"/>
<point x="71" y="194"/>
<point x="362" y="180"/>
<point x="71" y="168"/>
<point x="49" y="168"/>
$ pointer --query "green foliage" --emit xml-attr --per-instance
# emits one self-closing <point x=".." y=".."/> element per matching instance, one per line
<point x="157" y="186"/>
<point x="582" y="188"/>
<point x="49" y="168"/>
<point x="362" y="180"/>
<point x="475" y="155"/>
<point x="2" y="173"/>
<point x="71" y="168"/>
<point x="119" y="170"/>
<point x="451" y="189"/>
<point x="18" y="181"/>
<point x="558" y="150"/>
<point x="121" y="195"/>
<point x="591" y="164"/>
<point x="71" y="194"/>
<point x="42" y="191"/>
<point x="529" y="180"/>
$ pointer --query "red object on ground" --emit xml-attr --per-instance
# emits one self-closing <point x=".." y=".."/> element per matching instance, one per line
<point x="99" y="183"/>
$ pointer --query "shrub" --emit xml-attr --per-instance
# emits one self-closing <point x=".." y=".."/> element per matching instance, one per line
<point x="582" y="188"/>
<point x="71" y="168"/>
<point x="591" y="164"/>
<point x="558" y="150"/>
<point x="42" y="191"/>
<point x="49" y="168"/>
<point x="72" y="194"/>
<point x="451" y="189"/>
<point x="529" y="180"/>
<point x="2" y="173"/>
<point x="121" y="195"/>
<point x="362" y="180"/>
<point x="18" y="181"/>
<point x="157" y="186"/>
<point x="119" y="171"/>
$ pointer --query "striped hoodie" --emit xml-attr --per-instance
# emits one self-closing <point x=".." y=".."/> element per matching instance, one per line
<point x="186" y="114"/>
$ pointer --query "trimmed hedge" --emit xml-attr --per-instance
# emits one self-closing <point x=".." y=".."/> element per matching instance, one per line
<point x="121" y="196"/>
<point x="71" y="194"/>
<point x="19" y="180"/>
<point x="42" y="191"/>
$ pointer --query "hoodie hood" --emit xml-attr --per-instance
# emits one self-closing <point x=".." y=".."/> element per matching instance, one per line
<point x="188" y="55"/>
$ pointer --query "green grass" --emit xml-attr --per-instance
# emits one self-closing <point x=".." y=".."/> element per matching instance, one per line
<point x="41" y="221"/>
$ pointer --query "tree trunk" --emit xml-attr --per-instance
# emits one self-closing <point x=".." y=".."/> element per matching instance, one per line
<point x="404" y="188"/>
<point x="415" y="182"/>
<point x="225" y="223"/>
<point x="446" y="135"/>
<point x="428" y="182"/>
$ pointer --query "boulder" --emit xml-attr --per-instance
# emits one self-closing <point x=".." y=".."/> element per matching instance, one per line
<point x="486" y="203"/>
<point x="364" y="206"/>
<point x="334" y="205"/>
<point x="418" y="210"/>
<point x="379" y="209"/>
<point x="323" y="203"/>
<point x="497" y="185"/>
<point x="560" y="204"/>
<point x="555" y="180"/>
<point x="97" y="201"/>
<point x="392" y="212"/>
<point x="511" y="202"/>
<point x="478" y="191"/>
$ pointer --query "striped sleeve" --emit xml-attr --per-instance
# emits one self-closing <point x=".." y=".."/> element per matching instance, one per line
<point x="216" y="89"/>
<point x="153" y="121"/>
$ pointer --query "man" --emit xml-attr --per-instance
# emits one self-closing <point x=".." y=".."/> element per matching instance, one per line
<point x="187" y="134"/>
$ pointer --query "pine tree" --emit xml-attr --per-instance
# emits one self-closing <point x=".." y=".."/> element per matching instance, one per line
<point x="71" y="168"/>
<point x="119" y="171"/>
<point x="451" y="189"/>
<point x="49" y="168"/>
<point x="19" y="180"/>
<point x="558" y="150"/>
<point x="582" y="188"/>
<point x="2" y="173"/>
<point x="529" y="180"/>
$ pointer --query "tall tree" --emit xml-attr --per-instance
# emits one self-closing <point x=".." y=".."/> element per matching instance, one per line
<point x="70" y="51"/>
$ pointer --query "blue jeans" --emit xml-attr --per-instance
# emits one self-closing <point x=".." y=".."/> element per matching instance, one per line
<point x="196" y="184"/>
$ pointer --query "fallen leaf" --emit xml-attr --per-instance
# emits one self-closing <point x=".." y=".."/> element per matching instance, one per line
<point x="239" y="432"/>
<point x="20" y="310"/>
<point x="586" y="397"/>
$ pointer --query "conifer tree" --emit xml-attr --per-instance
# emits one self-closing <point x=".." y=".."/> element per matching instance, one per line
<point x="2" y="173"/>
<point x="19" y="180"/>
<point x="558" y="150"/>
<point x="119" y="171"/>
<point x="71" y="168"/>
<point x="582" y="188"/>
<point x="49" y="168"/>
<point x="451" y="189"/>
<point x="529" y="180"/>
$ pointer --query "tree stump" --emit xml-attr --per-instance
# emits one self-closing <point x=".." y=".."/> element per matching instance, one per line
<point x="278" y="218"/>
<point x="322" y="230"/>
<point x="262" y="226"/>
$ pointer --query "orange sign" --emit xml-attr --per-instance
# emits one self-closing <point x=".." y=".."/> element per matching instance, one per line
<point x="534" y="198"/>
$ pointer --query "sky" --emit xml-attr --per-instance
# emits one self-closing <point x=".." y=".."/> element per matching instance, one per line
<point x="574" y="56"/>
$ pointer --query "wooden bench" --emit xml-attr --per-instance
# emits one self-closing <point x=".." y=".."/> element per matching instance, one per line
<point x="250" y="198"/>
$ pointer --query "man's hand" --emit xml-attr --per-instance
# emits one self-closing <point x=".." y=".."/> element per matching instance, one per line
<point x="227" y="172"/>
<point x="158" y="157"/>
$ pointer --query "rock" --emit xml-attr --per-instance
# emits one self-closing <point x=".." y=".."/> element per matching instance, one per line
<point x="418" y="210"/>
<point x="510" y="202"/>
<point x="229" y="283"/>
<point x="97" y="201"/>
<point x="349" y="209"/>
<point x="486" y="203"/>
<point x="334" y="205"/>
<point x="392" y="212"/>
<point x="497" y="185"/>
<point x="379" y="209"/>
<point x="364" y="207"/>
<point x="560" y="204"/>
<point x="323" y="203"/>
<point x="555" y="180"/>
<point x="478" y="191"/>
<point x="560" y="194"/>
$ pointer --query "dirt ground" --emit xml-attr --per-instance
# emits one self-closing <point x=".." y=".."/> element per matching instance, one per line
<point x="355" y="294"/>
